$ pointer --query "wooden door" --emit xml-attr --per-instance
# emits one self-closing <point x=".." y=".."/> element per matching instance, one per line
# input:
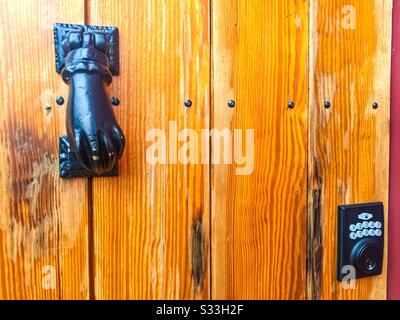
<point x="260" y="223"/>
<point x="151" y="225"/>
<point x="260" y="59"/>
<point x="350" y="51"/>
<point x="43" y="219"/>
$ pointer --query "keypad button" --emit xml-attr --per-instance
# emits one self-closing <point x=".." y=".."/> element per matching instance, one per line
<point x="378" y="233"/>
<point x="353" y="236"/>
<point x="365" y="225"/>
<point x="359" y="234"/>
<point x="378" y="225"/>
<point x="359" y="226"/>
<point x="371" y="224"/>
<point x="353" y="228"/>
<point x="365" y="233"/>
<point x="371" y="233"/>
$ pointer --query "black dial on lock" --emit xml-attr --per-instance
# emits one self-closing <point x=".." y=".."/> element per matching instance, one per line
<point x="365" y="257"/>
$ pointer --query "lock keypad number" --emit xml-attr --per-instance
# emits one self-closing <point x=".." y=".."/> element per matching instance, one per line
<point x="365" y="229"/>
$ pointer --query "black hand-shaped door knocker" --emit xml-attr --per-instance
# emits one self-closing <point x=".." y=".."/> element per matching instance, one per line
<point x="87" y="57"/>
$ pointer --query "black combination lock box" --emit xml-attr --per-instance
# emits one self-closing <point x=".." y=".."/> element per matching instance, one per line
<point x="360" y="240"/>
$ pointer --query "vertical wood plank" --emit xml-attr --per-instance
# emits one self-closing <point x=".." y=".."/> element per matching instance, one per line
<point x="151" y="224"/>
<point x="43" y="220"/>
<point x="349" y="143"/>
<point x="260" y="59"/>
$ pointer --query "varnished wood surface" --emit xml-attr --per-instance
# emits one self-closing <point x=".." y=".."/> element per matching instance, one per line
<point x="43" y="219"/>
<point x="349" y="143"/>
<point x="260" y="59"/>
<point x="153" y="232"/>
<point x="151" y="224"/>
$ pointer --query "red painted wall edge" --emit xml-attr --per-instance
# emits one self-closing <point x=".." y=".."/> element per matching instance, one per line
<point x="394" y="197"/>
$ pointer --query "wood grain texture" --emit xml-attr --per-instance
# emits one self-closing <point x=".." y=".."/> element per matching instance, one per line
<point x="155" y="232"/>
<point x="260" y="59"/>
<point x="350" y="51"/>
<point x="43" y="220"/>
<point x="151" y="224"/>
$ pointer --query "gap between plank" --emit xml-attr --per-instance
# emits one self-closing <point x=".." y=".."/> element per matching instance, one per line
<point x="210" y="122"/>
<point x="91" y="260"/>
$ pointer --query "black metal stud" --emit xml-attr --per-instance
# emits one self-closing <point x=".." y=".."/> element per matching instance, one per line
<point x="375" y="105"/>
<point x="115" y="101"/>
<point x="231" y="103"/>
<point x="60" y="100"/>
<point x="291" y="105"/>
<point x="188" y="103"/>
<point x="327" y="105"/>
